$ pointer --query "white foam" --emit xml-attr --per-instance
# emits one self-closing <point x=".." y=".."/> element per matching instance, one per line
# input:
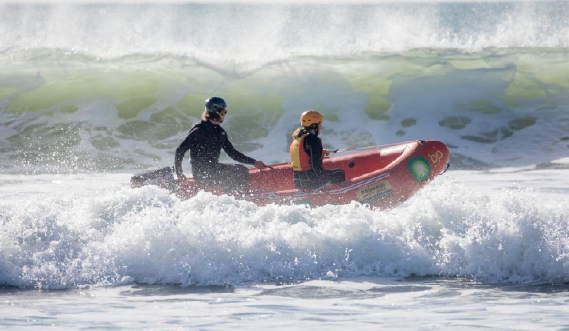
<point x="257" y="33"/>
<point x="61" y="234"/>
<point x="563" y="160"/>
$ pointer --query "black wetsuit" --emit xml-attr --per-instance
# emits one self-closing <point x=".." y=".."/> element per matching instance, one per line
<point x="205" y="142"/>
<point x="317" y="176"/>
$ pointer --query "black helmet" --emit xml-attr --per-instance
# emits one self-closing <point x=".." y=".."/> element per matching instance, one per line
<point x="214" y="105"/>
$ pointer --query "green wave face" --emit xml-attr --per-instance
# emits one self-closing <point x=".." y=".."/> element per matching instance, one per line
<point x="132" y="112"/>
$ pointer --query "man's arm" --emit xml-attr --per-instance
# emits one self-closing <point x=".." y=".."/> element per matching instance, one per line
<point x="185" y="146"/>
<point x="235" y="154"/>
<point x="180" y="152"/>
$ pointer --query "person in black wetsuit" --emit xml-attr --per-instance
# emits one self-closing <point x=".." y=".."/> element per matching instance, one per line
<point x="205" y="141"/>
<point x="307" y="153"/>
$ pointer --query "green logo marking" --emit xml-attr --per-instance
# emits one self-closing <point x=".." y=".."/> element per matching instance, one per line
<point x="419" y="168"/>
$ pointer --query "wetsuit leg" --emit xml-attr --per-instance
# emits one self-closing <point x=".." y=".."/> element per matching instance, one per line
<point x="233" y="177"/>
<point x="335" y="176"/>
<point x="305" y="180"/>
<point x="308" y="180"/>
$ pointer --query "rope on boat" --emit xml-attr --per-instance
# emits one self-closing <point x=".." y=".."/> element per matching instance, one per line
<point x="362" y="148"/>
<point x="446" y="168"/>
<point x="369" y="147"/>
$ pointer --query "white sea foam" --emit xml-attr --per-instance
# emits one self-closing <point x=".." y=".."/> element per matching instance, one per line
<point x="218" y="33"/>
<point x="66" y="236"/>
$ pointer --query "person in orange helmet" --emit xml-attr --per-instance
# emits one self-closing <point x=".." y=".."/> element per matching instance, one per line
<point x="307" y="153"/>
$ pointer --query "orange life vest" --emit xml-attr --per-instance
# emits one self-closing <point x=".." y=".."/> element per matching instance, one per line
<point x="299" y="158"/>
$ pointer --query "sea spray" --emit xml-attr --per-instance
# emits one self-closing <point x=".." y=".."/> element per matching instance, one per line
<point x="149" y="236"/>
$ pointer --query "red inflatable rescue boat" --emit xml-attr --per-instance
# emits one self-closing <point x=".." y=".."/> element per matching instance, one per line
<point x="382" y="178"/>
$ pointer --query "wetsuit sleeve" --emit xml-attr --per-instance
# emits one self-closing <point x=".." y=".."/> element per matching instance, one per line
<point x="313" y="146"/>
<point x="185" y="146"/>
<point x="235" y="154"/>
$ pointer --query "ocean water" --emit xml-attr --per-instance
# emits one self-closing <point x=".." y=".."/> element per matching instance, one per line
<point x="90" y="94"/>
<point x="474" y="249"/>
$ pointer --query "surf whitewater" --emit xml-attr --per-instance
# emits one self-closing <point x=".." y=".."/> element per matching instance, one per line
<point x="64" y="231"/>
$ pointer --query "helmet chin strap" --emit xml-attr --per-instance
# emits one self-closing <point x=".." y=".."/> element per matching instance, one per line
<point x="221" y="117"/>
<point x="313" y="127"/>
<point x="316" y="126"/>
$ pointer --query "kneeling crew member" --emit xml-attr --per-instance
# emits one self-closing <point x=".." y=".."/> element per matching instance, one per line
<point x="205" y="141"/>
<point x="306" y="154"/>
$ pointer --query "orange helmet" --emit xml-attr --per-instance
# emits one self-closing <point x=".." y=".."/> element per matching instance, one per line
<point x="310" y="117"/>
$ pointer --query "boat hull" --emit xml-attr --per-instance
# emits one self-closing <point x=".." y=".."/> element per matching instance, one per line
<point x="380" y="178"/>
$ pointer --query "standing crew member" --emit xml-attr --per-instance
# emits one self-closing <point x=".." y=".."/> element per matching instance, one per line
<point x="306" y="154"/>
<point x="205" y="141"/>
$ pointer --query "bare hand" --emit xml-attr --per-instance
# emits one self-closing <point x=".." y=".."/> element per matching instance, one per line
<point x="259" y="165"/>
<point x="326" y="152"/>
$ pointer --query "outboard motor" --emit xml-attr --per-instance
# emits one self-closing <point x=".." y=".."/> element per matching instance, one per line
<point x="163" y="178"/>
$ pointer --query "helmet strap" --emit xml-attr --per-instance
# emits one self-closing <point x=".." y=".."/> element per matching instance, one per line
<point x="313" y="127"/>
<point x="216" y="115"/>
